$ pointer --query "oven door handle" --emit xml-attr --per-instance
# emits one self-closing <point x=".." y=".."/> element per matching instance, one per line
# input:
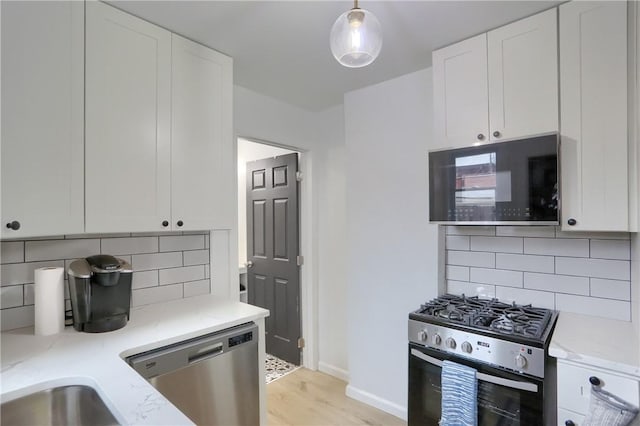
<point x="514" y="384"/>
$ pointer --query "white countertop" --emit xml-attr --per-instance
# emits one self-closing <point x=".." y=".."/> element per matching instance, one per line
<point x="30" y="363"/>
<point x="604" y="343"/>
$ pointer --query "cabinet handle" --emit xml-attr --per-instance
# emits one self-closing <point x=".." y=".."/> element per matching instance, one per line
<point x="569" y="423"/>
<point x="180" y="223"/>
<point x="496" y="134"/>
<point x="572" y="221"/>
<point x="480" y="136"/>
<point x="15" y="225"/>
<point x="594" y="381"/>
<point x="165" y="223"/>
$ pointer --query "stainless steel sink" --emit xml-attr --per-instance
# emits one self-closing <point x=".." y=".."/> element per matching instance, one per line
<point x="62" y="405"/>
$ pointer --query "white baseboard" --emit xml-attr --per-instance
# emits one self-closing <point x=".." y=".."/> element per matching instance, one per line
<point x="334" y="371"/>
<point x="377" y="402"/>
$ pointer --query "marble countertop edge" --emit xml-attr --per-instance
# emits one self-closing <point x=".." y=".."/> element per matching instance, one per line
<point x="603" y="343"/>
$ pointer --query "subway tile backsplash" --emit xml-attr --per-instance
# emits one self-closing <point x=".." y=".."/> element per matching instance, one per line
<point x="166" y="266"/>
<point x="586" y="273"/>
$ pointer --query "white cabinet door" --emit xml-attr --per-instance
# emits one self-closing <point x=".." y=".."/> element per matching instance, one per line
<point x="201" y="138"/>
<point x="566" y="415"/>
<point x="523" y="77"/>
<point x="593" y="88"/>
<point x="574" y="388"/>
<point x="128" y="90"/>
<point x="460" y="93"/>
<point x="42" y="118"/>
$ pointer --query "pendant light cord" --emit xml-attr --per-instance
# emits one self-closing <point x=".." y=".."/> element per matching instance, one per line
<point x="355" y="4"/>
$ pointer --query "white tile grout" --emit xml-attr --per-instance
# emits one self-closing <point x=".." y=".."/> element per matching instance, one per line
<point x="602" y="267"/>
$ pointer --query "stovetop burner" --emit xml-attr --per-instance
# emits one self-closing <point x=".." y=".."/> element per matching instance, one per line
<point x="487" y="314"/>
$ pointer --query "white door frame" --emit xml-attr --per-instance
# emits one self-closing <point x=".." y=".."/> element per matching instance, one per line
<point x="308" y="249"/>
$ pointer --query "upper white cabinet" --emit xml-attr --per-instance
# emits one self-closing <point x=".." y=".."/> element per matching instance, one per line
<point x="499" y="85"/>
<point x="593" y="98"/>
<point x="128" y="107"/>
<point x="201" y="134"/>
<point x="460" y="92"/>
<point x="158" y="128"/>
<point x="42" y="118"/>
<point x="523" y="77"/>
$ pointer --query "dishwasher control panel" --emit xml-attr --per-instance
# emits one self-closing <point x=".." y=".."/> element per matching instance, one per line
<point x="241" y="338"/>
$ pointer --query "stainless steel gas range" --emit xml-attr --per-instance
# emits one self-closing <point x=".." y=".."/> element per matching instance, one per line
<point x="506" y="343"/>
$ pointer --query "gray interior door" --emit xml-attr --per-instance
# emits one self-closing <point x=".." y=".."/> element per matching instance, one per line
<point x="273" y="275"/>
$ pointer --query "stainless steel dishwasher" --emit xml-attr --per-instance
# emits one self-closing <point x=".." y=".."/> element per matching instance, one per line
<point x="212" y="379"/>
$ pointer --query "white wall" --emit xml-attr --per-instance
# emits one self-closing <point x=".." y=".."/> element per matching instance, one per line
<point x="332" y="226"/>
<point x="259" y="117"/>
<point x="392" y="251"/>
<point x="320" y="137"/>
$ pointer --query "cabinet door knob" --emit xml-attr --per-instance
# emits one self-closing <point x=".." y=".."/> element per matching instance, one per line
<point x="572" y="221"/>
<point x="480" y="136"/>
<point x="15" y="225"/>
<point x="496" y="134"/>
<point x="594" y="381"/>
<point x="180" y="223"/>
<point x="569" y="423"/>
<point x="165" y="223"/>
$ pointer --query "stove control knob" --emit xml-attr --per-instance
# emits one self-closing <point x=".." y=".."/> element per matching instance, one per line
<point x="450" y="343"/>
<point x="422" y="336"/>
<point x="521" y="362"/>
<point x="466" y="347"/>
<point x="436" y="339"/>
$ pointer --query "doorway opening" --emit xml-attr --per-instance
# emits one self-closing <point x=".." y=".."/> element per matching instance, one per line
<point x="269" y="243"/>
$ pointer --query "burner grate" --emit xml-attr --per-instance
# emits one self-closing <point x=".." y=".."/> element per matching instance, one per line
<point x="489" y="314"/>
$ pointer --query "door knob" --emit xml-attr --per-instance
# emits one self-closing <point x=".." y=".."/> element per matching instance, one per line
<point x="572" y="222"/>
<point x="480" y="136"/>
<point x="249" y="264"/>
<point x="180" y="223"/>
<point x="496" y="134"/>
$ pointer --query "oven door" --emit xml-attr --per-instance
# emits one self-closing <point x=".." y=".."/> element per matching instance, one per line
<point x="504" y="398"/>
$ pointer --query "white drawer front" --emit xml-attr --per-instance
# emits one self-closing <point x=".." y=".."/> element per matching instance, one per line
<point x="564" y="415"/>
<point x="574" y="387"/>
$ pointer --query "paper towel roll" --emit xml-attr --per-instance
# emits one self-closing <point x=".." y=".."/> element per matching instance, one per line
<point x="49" y="300"/>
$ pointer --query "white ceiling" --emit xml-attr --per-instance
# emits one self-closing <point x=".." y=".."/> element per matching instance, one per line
<point x="281" y="48"/>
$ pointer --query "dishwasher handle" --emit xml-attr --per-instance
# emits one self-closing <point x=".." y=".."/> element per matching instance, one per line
<point x="205" y="352"/>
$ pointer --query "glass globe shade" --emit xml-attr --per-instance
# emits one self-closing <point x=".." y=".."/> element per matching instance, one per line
<point x="356" y="38"/>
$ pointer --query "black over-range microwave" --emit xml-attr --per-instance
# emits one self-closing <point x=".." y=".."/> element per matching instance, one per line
<point x="507" y="183"/>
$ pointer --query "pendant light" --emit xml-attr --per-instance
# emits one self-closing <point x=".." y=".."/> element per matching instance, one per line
<point x="356" y="37"/>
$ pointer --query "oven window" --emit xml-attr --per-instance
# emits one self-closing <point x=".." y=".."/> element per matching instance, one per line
<point x="497" y="405"/>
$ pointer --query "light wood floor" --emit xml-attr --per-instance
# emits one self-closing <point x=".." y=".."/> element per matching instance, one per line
<point x="311" y="398"/>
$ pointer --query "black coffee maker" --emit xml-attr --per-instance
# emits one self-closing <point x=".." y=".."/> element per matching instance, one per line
<point x="100" y="290"/>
